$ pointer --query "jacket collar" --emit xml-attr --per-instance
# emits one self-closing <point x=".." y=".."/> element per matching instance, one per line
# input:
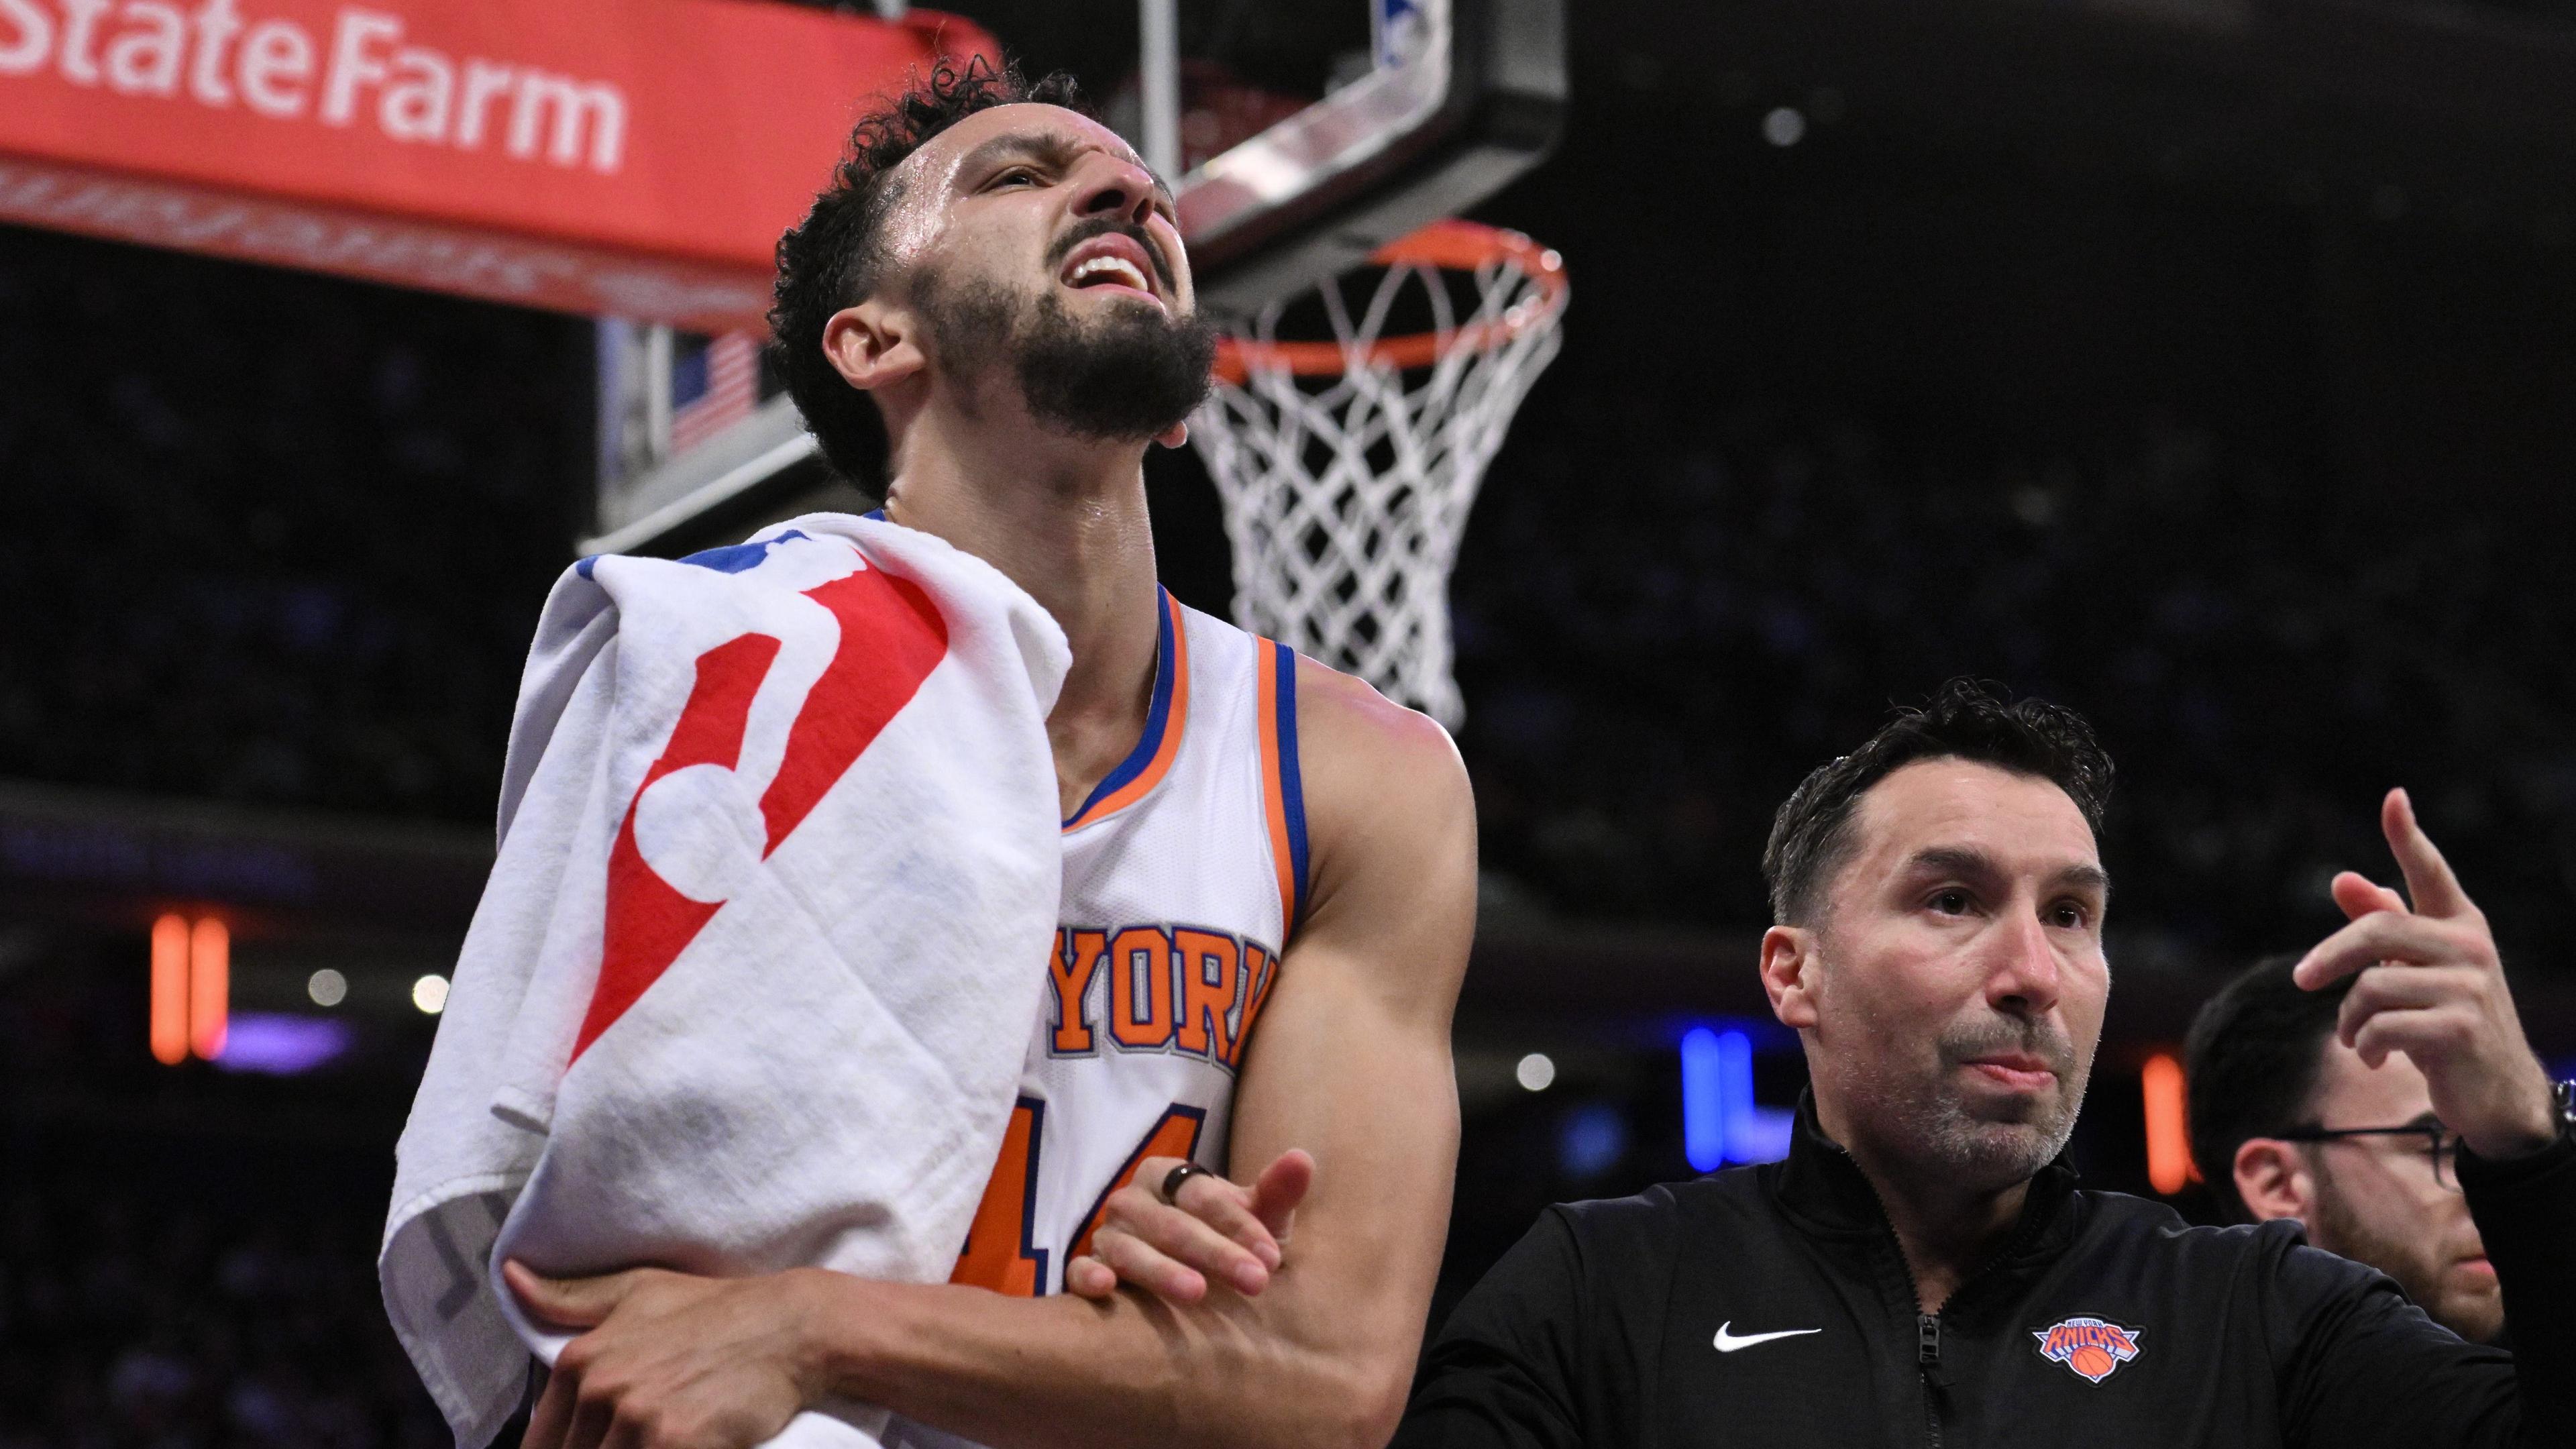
<point x="1821" y="1188"/>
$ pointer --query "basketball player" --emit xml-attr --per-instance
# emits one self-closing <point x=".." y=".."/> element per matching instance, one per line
<point x="1269" y="881"/>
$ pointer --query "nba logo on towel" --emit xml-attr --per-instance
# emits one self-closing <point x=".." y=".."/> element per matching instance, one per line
<point x="887" y="637"/>
<point x="2088" y="1346"/>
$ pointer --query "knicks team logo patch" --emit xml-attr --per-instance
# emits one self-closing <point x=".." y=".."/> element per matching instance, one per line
<point x="2088" y="1346"/>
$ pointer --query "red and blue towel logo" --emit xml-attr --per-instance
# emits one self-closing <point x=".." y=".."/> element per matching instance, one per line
<point x="2088" y="1346"/>
<point x="891" y="637"/>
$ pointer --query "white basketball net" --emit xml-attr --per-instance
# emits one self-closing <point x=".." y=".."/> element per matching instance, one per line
<point x="1345" y="496"/>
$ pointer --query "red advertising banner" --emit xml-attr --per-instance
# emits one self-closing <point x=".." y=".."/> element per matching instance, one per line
<point x="635" y="158"/>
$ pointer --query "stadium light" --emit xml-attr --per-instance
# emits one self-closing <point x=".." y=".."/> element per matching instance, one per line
<point x="429" y="994"/>
<point x="1535" y="1072"/>
<point x="2168" y="1142"/>
<point x="191" y="988"/>
<point x="210" y="973"/>
<point x="1721" y="1123"/>
<point x="1703" y="1115"/>
<point x="170" y="990"/>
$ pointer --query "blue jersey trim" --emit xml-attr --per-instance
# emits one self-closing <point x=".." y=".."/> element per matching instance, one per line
<point x="1158" y="714"/>
<point x="1292" y="791"/>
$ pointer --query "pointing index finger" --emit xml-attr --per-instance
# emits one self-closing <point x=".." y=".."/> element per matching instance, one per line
<point x="2429" y="881"/>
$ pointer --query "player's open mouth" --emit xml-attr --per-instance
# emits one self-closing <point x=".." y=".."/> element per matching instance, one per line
<point x="1111" y="262"/>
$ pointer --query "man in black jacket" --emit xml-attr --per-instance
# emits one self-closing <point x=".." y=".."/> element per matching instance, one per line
<point x="1922" y="1269"/>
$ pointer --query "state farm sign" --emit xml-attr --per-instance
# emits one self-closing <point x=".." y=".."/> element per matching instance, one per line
<point x="636" y="157"/>
<point x="411" y="93"/>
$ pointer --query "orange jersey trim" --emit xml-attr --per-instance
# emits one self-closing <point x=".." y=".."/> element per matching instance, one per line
<point x="1283" y="796"/>
<point x="1165" y="720"/>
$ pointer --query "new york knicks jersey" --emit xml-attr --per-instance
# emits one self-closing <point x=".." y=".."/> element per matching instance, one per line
<point x="1183" y="873"/>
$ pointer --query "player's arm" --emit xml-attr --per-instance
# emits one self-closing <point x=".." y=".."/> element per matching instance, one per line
<point x="1351" y="1063"/>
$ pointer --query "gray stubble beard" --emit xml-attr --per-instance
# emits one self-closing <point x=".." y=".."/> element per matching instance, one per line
<point x="1935" y="1135"/>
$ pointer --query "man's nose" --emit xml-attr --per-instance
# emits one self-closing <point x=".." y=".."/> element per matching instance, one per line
<point x="2025" y="968"/>
<point x="1111" y="185"/>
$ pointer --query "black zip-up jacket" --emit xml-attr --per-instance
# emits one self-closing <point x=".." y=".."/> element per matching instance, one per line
<point x="1769" y="1306"/>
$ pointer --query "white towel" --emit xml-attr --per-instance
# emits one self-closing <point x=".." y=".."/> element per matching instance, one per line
<point x="751" y="982"/>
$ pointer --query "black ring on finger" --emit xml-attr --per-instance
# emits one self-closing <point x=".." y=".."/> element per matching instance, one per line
<point x="1173" y="1179"/>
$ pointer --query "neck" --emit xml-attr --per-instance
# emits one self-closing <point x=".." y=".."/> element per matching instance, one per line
<point x="1947" y="1230"/>
<point x="1065" y="520"/>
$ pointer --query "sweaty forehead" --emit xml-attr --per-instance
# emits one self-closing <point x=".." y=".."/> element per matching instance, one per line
<point x="1041" y="126"/>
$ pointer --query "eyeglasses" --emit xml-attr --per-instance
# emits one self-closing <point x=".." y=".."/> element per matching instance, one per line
<point x="2441" y="1144"/>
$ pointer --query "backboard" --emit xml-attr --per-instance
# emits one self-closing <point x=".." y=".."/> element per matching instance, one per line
<point x="1443" y="103"/>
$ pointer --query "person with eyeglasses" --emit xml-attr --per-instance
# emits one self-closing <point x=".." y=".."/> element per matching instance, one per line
<point x="2290" y="1122"/>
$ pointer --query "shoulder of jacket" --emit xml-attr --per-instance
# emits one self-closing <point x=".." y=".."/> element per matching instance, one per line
<point x="2138" y="1225"/>
<point x="1655" y="1218"/>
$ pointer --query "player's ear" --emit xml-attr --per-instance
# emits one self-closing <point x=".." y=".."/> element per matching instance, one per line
<point x="1788" y="974"/>
<point x="873" y="344"/>
<point x="2273" y="1178"/>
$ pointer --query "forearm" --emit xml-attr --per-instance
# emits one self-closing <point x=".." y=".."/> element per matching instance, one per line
<point x="1018" y="1373"/>
<point x="1352" y="1065"/>
<point x="2526" y="1215"/>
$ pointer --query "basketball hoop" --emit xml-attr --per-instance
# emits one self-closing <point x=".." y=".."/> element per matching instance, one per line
<point x="1347" y="466"/>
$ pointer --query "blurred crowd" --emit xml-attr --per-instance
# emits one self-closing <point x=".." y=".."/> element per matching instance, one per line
<point x="271" y="538"/>
<point x="1653" y="658"/>
<point x="187" y="1257"/>
<point x="134" y="1322"/>
<point x="307" y="576"/>
<point x="2274" y="496"/>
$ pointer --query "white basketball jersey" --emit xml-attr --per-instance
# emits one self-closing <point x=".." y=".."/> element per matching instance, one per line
<point x="1182" y="875"/>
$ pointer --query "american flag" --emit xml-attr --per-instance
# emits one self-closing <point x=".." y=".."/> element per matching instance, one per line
<point x="718" y="384"/>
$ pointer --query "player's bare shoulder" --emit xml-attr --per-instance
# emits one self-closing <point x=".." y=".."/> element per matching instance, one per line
<point x="1387" y="797"/>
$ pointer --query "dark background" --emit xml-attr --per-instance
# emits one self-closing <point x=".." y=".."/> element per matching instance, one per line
<point x="2205" y="367"/>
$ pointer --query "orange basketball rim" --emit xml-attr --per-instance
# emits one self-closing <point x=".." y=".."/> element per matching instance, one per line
<point x="1448" y="245"/>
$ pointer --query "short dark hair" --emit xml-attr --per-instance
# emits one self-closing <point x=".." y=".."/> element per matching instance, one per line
<point x="2250" y="1065"/>
<point x="1811" y="837"/>
<point x="833" y="258"/>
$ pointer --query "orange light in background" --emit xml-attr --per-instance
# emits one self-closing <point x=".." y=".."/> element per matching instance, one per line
<point x="210" y="975"/>
<point x="170" y="990"/>
<point x="2168" y="1143"/>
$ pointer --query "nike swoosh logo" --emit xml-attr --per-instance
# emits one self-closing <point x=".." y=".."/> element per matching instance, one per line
<point x="1730" y="1342"/>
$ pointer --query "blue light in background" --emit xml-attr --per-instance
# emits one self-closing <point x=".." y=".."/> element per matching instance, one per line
<point x="275" y="1044"/>
<point x="1591" y="1140"/>
<point x="1703" y="1100"/>
<point x="1753" y="1133"/>
<point x="1721" y="1122"/>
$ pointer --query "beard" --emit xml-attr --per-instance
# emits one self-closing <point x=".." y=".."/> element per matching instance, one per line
<point x="2416" y="1263"/>
<point x="1927" y="1121"/>
<point x="1128" y="375"/>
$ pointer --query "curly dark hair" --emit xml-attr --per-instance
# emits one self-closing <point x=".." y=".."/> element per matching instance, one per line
<point x="1811" y="837"/>
<point x="833" y="258"/>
